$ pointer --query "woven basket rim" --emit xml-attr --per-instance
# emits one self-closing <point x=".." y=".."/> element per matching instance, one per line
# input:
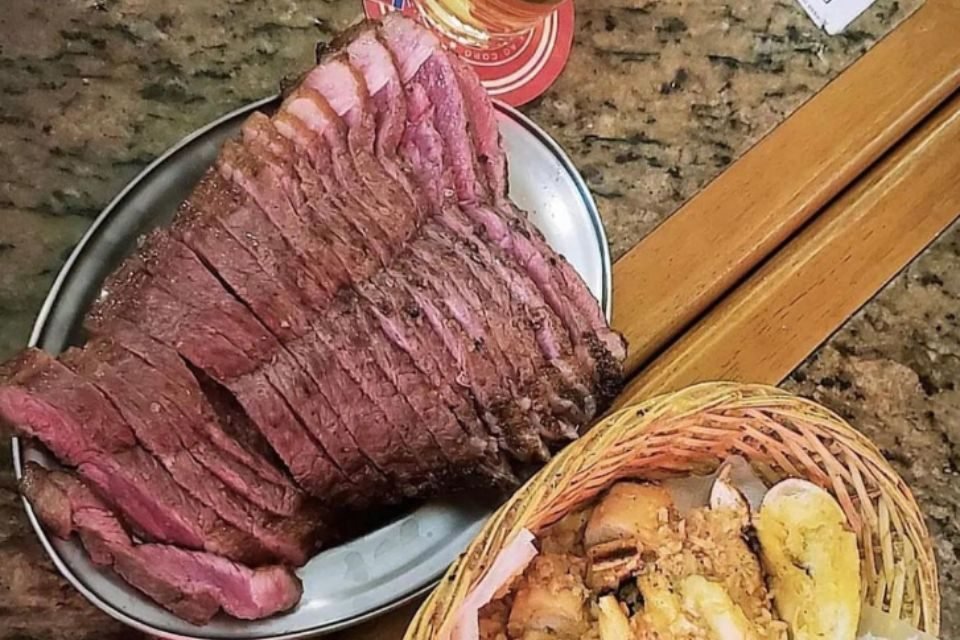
<point x="591" y="456"/>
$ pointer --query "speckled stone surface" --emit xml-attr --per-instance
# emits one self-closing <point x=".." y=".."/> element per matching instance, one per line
<point x="657" y="99"/>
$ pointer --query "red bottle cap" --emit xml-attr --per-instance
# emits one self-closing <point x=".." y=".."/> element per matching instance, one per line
<point x="519" y="70"/>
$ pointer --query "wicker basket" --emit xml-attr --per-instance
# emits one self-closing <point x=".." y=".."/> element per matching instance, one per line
<point x="691" y="431"/>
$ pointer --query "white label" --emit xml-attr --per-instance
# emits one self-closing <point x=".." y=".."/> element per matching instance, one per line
<point x="833" y="16"/>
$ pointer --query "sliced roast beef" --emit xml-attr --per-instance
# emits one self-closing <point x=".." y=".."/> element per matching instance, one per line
<point x="292" y="383"/>
<point x="346" y="380"/>
<point x="378" y="67"/>
<point x="506" y="417"/>
<point x="318" y="409"/>
<point x="511" y="341"/>
<point x="458" y="289"/>
<point x="259" y="389"/>
<point x="268" y="186"/>
<point x="191" y="460"/>
<point x="131" y="295"/>
<point x="339" y="208"/>
<point x="177" y="269"/>
<point x="209" y="338"/>
<point x="311" y="112"/>
<point x="425" y="151"/>
<point x="422" y="147"/>
<point x="402" y="323"/>
<point x="486" y="137"/>
<point x="339" y="84"/>
<point x="515" y="239"/>
<point x="234" y="420"/>
<point x="351" y="229"/>
<point x="427" y="159"/>
<point x="349" y="444"/>
<point x="235" y="240"/>
<point x="483" y="125"/>
<point x="142" y="395"/>
<point x="346" y="91"/>
<point x="277" y="185"/>
<point x="165" y="276"/>
<point x="342" y="232"/>
<point x="45" y="400"/>
<point x="526" y="300"/>
<point x="350" y="296"/>
<point x="438" y="80"/>
<point x="306" y="459"/>
<point x="377" y="369"/>
<point x="193" y="585"/>
<point x="507" y="227"/>
<point x="491" y="158"/>
<point x="376" y="388"/>
<point x="494" y="277"/>
<point x="297" y="388"/>
<point x="430" y="160"/>
<point x="313" y="407"/>
<point x="184" y="390"/>
<point x="431" y="417"/>
<point x="370" y="187"/>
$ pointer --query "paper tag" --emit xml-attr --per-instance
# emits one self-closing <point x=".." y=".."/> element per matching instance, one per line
<point x="833" y="16"/>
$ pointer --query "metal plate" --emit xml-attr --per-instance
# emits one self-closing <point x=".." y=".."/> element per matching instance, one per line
<point x="363" y="578"/>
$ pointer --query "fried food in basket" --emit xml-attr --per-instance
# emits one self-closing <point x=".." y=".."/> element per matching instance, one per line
<point x="631" y="566"/>
<point x="766" y="436"/>
<point x="811" y="556"/>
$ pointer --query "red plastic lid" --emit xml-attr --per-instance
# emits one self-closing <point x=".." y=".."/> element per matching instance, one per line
<point x="519" y="70"/>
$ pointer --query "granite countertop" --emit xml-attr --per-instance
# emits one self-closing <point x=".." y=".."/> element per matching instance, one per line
<point x="658" y="97"/>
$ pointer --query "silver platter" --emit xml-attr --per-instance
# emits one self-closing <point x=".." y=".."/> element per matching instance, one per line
<point x="379" y="571"/>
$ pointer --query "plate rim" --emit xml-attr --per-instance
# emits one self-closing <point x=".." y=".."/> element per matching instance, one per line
<point x="53" y="294"/>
